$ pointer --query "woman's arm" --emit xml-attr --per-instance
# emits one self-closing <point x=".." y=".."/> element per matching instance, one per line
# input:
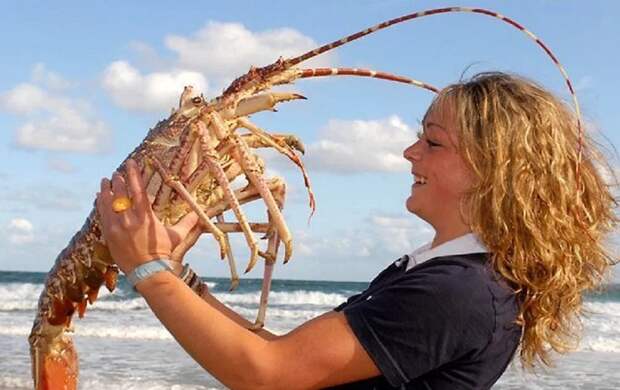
<point x="320" y="353"/>
<point x="234" y="316"/>
<point x="177" y="269"/>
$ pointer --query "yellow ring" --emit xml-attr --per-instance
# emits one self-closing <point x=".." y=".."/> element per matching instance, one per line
<point x="121" y="204"/>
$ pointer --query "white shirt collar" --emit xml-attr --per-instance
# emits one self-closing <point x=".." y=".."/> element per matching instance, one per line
<point x="463" y="245"/>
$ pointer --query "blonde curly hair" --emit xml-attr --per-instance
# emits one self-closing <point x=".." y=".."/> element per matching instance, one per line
<point x="544" y="227"/>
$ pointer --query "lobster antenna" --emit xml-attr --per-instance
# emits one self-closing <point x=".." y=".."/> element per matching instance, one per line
<point x="319" y="72"/>
<point x="296" y="60"/>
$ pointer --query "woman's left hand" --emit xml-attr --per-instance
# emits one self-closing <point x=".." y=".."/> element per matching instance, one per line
<point x="135" y="235"/>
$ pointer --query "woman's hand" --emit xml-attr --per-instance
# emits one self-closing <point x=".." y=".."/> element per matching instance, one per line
<point x="135" y="236"/>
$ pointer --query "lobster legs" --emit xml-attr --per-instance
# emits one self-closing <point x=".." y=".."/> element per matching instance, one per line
<point x="210" y="155"/>
<point x="241" y="153"/>
<point x="207" y="136"/>
<point x="277" y="187"/>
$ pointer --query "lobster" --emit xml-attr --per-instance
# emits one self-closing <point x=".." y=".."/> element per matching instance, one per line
<point x="188" y="162"/>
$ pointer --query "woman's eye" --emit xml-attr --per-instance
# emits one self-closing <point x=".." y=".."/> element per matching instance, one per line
<point x="430" y="143"/>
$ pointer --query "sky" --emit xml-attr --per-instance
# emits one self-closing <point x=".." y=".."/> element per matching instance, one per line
<point x="81" y="84"/>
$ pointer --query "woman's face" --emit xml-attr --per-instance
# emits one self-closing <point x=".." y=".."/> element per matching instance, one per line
<point x="440" y="174"/>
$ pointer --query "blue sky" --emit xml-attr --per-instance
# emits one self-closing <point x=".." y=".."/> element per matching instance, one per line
<point x="81" y="84"/>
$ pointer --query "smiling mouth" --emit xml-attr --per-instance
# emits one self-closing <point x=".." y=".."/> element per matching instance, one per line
<point x="420" y="180"/>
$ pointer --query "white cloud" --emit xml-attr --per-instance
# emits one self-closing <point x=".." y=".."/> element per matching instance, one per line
<point x="211" y="57"/>
<point x="47" y="78"/>
<point x="400" y="234"/>
<point x="52" y="121"/>
<point x="361" y="146"/>
<point x="65" y="130"/>
<point x="21" y="225"/>
<point x="25" y="98"/>
<point x="226" y="50"/>
<point x="379" y="235"/>
<point x="20" y="231"/>
<point x="156" y="91"/>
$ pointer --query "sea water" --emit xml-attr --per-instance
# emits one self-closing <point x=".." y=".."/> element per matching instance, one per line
<point x="122" y="345"/>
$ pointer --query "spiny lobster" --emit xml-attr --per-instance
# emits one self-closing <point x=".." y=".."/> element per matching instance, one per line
<point x="188" y="161"/>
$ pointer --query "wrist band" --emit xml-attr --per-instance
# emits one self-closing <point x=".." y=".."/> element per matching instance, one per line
<point x="185" y="272"/>
<point x="187" y="275"/>
<point x="190" y="278"/>
<point x="148" y="269"/>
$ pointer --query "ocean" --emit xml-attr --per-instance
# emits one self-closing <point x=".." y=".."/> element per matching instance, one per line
<point x="121" y="345"/>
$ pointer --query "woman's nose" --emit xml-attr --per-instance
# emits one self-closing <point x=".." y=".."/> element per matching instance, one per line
<point x="411" y="152"/>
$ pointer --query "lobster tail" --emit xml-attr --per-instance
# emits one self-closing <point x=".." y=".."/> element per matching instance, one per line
<point x="54" y="368"/>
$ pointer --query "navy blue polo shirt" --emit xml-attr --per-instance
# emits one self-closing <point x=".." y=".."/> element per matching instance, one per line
<point x="447" y="323"/>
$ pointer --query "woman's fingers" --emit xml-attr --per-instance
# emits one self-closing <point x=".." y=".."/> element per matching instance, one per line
<point x="137" y="189"/>
<point x="105" y="193"/>
<point x="183" y="227"/>
<point x="122" y="204"/>
<point x="131" y="240"/>
<point x="104" y="202"/>
<point x="118" y="186"/>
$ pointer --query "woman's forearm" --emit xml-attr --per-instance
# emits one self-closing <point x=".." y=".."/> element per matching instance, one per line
<point x="222" y="308"/>
<point x="215" y="337"/>
<point x="219" y="306"/>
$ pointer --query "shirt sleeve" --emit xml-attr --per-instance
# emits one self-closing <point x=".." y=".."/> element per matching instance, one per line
<point x="349" y="300"/>
<point x="421" y="321"/>
<point x="373" y="283"/>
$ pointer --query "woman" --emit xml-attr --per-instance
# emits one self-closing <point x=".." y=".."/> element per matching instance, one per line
<point x="519" y="218"/>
